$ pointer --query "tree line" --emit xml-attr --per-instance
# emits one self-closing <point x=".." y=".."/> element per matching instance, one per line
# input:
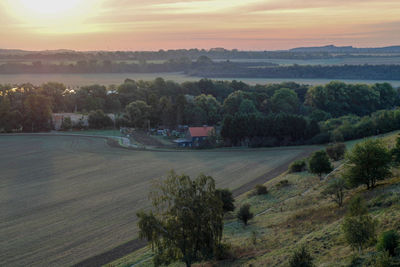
<point x="259" y="115"/>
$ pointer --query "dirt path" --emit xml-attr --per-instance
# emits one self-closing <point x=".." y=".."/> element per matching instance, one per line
<point x="136" y="244"/>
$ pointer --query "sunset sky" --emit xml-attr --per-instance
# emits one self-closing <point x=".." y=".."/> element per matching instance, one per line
<point x="172" y="24"/>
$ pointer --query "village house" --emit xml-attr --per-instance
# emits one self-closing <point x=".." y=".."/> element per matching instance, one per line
<point x="195" y="136"/>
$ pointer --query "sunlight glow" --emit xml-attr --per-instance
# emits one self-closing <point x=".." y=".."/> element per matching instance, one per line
<point x="49" y="6"/>
<point x="54" y="16"/>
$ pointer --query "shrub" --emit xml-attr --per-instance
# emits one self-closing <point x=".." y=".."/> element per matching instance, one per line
<point x="388" y="241"/>
<point x="301" y="258"/>
<point x="383" y="260"/>
<point x="336" y="151"/>
<point x="368" y="162"/>
<point x="319" y="163"/>
<point x="282" y="183"/>
<point x="261" y="189"/>
<point x="66" y="123"/>
<point x="99" y="120"/>
<point x="297" y="166"/>
<point x="244" y="214"/>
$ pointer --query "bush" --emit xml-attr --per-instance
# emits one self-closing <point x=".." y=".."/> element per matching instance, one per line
<point x="261" y="189"/>
<point x="66" y="123"/>
<point x="244" y="214"/>
<point x="336" y="151"/>
<point x="99" y="120"/>
<point x="301" y="258"/>
<point x="319" y="163"/>
<point x="297" y="166"/>
<point x="282" y="183"/>
<point x="388" y="241"/>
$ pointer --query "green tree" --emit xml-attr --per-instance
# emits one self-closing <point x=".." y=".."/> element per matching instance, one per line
<point x="336" y="190"/>
<point x="358" y="227"/>
<point x="210" y="106"/>
<point x="368" y="162"/>
<point x="247" y="106"/>
<point x="37" y="113"/>
<point x="319" y="163"/>
<point x="285" y="100"/>
<point x="187" y="222"/>
<point x="301" y="258"/>
<point x="99" y="120"/>
<point x="244" y="214"/>
<point x="138" y="113"/>
<point x="389" y="241"/>
<point x="227" y="199"/>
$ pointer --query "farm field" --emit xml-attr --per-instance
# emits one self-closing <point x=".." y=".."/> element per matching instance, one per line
<point x="64" y="199"/>
<point x="77" y="80"/>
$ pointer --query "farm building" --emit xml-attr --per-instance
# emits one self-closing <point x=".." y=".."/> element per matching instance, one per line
<point x="195" y="136"/>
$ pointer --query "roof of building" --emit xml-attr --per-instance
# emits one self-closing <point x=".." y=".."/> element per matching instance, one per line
<point x="200" y="131"/>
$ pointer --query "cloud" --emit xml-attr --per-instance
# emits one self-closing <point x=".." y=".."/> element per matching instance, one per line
<point x="244" y="24"/>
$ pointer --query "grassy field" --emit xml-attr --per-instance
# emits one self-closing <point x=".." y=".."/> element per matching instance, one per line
<point x="64" y="199"/>
<point x="294" y="215"/>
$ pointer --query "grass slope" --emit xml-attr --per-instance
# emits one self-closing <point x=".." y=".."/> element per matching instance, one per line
<point x="64" y="199"/>
<point x="296" y="214"/>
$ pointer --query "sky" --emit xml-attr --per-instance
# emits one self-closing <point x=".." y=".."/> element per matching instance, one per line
<point x="175" y="24"/>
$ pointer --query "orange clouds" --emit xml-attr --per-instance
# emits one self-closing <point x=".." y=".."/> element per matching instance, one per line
<point x="243" y="24"/>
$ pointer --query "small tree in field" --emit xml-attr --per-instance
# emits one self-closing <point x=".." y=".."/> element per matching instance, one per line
<point x="367" y="163"/>
<point x="319" y="163"/>
<point x="244" y="214"/>
<point x="358" y="227"/>
<point x="336" y="190"/>
<point x="187" y="222"/>
<point x="301" y="258"/>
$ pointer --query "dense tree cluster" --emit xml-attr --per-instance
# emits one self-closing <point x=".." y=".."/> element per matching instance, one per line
<point x="259" y="115"/>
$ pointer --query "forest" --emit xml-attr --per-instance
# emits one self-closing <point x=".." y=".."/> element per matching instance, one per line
<point x="260" y="115"/>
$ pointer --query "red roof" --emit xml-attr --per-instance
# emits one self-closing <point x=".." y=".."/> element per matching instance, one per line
<point x="200" y="131"/>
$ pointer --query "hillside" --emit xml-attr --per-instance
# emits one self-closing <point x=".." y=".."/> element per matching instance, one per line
<point x="295" y="214"/>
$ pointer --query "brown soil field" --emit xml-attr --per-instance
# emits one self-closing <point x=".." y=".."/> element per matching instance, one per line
<point x="65" y="199"/>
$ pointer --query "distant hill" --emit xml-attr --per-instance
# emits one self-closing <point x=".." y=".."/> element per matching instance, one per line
<point x="347" y="49"/>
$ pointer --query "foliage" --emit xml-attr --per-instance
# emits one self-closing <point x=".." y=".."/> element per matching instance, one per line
<point x="389" y="241"/>
<point x="261" y="189"/>
<point x="319" y="163"/>
<point x="187" y="222"/>
<point x="395" y="151"/>
<point x="336" y="151"/>
<point x="368" y="162"/>
<point x="98" y="120"/>
<point x="336" y="190"/>
<point x="298" y="166"/>
<point x="66" y="123"/>
<point x="301" y="258"/>
<point x="357" y="206"/>
<point x="227" y="199"/>
<point x="244" y="214"/>
<point x="282" y="183"/>
<point x="138" y="113"/>
<point x="358" y="227"/>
